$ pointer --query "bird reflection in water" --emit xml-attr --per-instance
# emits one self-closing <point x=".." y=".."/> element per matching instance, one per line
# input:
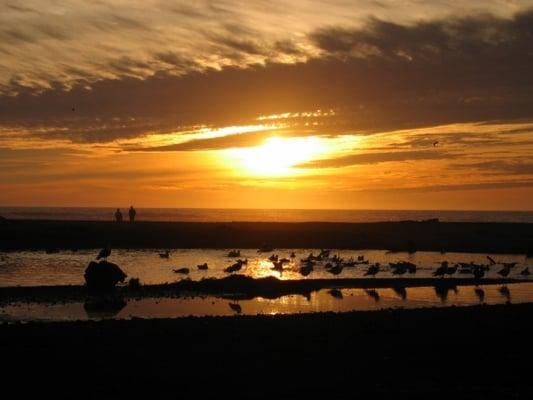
<point x="336" y="293"/>
<point x="235" y="307"/>
<point x="401" y="292"/>
<point x="104" y="307"/>
<point x="442" y="291"/>
<point x="506" y="293"/>
<point x="480" y="293"/>
<point x="373" y="294"/>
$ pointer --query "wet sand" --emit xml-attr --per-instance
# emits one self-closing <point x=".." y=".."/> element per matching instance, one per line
<point x="467" y="352"/>
<point x="503" y="238"/>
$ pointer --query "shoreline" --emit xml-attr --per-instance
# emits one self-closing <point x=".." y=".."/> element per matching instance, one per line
<point x="238" y="287"/>
<point x="405" y="236"/>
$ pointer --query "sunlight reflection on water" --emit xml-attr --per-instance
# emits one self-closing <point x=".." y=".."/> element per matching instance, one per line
<point x="336" y="300"/>
<point x="36" y="268"/>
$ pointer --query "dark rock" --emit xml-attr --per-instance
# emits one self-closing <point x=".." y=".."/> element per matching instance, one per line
<point x="103" y="275"/>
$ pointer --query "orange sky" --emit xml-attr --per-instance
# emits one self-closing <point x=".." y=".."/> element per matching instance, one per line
<point x="307" y="105"/>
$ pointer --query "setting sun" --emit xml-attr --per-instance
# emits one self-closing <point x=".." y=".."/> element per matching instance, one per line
<point x="276" y="156"/>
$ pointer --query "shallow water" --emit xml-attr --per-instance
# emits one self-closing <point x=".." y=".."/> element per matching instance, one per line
<point x="36" y="268"/>
<point x="342" y="300"/>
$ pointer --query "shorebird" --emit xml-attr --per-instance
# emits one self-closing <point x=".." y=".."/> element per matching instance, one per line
<point x="235" y="267"/>
<point x="293" y="254"/>
<point x="324" y="253"/>
<point x="372" y="270"/>
<point x="398" y="268"/>
<point x="441" y="271"/>
<point x="307" y="268"/>
<point x="234" y="253"/>
<point x="451" y="270"/>
<point x="278" y="265"/>
<point x="202" y="267"/>
<point x="525" y="271"/>
<point x="504" y="271"/>
<point x="478" y="271"/>
<point x="166" y="254"/>
<point x="336" y="270"/>
<point x="104" y="253"/>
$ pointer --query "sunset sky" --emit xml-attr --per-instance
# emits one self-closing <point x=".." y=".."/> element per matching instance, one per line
<point x="403" y="104"/>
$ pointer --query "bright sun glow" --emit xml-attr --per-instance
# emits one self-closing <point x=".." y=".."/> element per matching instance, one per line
<point x="277" y="156"/>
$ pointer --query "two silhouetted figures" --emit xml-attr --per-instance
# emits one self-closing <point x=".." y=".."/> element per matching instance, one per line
<point x="131" y="213"/>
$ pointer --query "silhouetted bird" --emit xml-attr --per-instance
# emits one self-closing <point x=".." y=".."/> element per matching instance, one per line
<point x="234" y="253"/>
<point x="336" y="270"/>
<point x="525" y="271"/>
<point x="504" y="271"/>
<point x="478" y="272"/>
<point x="202" y="267"/>
<point x="306" y="269"/>
<point x="104" y="253"/>
<point x="235" y="267"/>
<point x="278" y="265"/>
<point x="166" y="254"/>
<point x="372" y="270"/>
<point x="441" y="271"/>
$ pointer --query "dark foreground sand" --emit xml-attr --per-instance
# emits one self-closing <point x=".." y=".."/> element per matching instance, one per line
<point x="474" y="352"/>
<point x="512" y="238"/>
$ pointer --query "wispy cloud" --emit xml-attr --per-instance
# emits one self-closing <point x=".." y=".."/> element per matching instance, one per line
<point x="376" y="158"/>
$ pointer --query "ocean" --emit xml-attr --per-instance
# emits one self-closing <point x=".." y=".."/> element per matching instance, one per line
<point x="263" y="215"/>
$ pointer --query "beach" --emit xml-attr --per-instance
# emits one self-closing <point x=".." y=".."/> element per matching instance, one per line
<point x="414" y="350"/>
<point x="471" y="352"/>
<point x="410" y="236"/>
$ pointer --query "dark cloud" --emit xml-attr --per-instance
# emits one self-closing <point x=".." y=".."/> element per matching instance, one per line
<point x="458" y="187"/>
<point x="381" y="76"/>
<point x="375" y="158"/>
<point x="504" y="167"/>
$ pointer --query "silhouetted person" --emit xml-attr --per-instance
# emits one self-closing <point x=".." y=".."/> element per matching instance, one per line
<point x="132" y="214"/>
<point x="118" y="215"/>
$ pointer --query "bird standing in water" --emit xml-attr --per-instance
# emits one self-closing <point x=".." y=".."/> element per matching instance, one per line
<point x="104" y="253"/>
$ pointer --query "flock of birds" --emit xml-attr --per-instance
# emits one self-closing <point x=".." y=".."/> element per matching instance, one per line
<point x="335" y="264"/>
